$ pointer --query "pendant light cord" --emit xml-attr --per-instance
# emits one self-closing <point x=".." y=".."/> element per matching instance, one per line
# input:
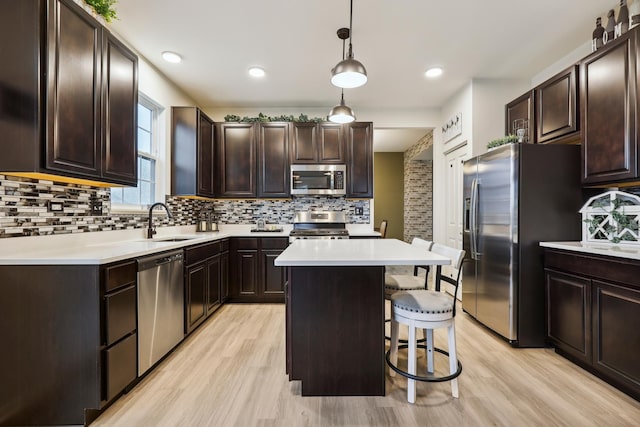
<point x="350" y="30"/>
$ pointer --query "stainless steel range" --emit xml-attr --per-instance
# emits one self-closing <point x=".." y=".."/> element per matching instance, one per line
<point x="319" y="225"/>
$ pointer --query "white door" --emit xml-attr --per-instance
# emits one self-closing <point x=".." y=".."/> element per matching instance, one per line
<point x="453" y="204"/>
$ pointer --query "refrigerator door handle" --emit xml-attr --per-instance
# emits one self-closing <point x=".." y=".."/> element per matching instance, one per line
<point x="474" y="219"/>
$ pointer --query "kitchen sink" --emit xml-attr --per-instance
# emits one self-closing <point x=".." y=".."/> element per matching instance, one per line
<point x="174" y="239"/>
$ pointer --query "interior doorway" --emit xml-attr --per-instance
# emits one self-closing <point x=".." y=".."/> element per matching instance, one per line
<point x="388" y="192"/>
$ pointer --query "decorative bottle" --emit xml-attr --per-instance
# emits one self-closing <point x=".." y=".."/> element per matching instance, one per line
<point x="623" y="17"/>
<point x="634" y="12"/>
<point x="611" y="24"/>
<point x="597" y="34"/>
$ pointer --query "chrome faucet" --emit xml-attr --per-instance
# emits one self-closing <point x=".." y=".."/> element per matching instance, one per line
<point x="151" y="229"/>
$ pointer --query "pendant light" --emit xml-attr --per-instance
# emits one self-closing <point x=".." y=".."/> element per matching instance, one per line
<point x="349" y="73"/>
<point x="341" y="113"/>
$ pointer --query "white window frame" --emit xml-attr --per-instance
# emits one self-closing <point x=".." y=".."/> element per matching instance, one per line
<point x="158" y="154"/>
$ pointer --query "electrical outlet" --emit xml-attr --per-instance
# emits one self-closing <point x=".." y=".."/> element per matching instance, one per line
<point x="96" y="206"/>
<point x="359" y="210"/>
<point x="54" y="206"/>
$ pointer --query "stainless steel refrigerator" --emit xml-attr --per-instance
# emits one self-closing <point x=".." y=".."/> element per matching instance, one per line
<point x="514" y="197"/>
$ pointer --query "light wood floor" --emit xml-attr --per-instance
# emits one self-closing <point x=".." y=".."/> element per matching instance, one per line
<point x="231" y="372"/>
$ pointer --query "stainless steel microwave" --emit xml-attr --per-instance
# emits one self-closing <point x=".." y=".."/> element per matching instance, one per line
<point x="314" y="180"/>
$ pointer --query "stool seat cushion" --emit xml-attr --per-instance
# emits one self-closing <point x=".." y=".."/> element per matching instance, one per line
<point x="423" y="302"/>
<point x="401" y="282"/>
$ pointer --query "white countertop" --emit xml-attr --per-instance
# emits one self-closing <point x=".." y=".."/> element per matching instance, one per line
<point x="620" y="251"/>
<point x="110" y="246"/>
<point x="356" y="252"/>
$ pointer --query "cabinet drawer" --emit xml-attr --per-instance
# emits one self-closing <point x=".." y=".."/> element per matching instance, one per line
<point x="120" y="314"/>
<point x="120" y="366"/>
<point x="275" y="242"/>
<point x="245" y="243"/>
<point x="199" y="253"/>
<point x="225" y="245"/>
<point x="117" y="276"/>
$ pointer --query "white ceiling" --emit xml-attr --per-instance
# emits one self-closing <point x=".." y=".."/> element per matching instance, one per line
<point x="397" y="40"/>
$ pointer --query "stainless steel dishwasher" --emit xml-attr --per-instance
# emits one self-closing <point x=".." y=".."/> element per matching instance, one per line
<point x="160" y="306"/>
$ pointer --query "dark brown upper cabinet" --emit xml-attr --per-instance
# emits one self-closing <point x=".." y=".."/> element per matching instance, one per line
<point x="556" y="108"/>
<point x="273" y="159"/>
<point x="609" y="112"/>
<point x="317" y="143"/>
<point x="359" y="144"/>
<point x="236" y="159"/>
<point x="65" y="113"/>
<point x="192" y="153"/>
<point x="120" y="112"/>
<point x="519" y="115"/>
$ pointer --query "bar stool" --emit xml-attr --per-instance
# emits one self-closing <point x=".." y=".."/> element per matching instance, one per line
<point x="405" y="282"/>
<point x="427" y="310"/>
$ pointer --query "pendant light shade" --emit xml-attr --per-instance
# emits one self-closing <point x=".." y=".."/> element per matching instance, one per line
<point x="341" y="113"/>
<point x="349" y="72"/>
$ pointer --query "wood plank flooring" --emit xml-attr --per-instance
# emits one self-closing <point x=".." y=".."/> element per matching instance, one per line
<point x="231" y="372"/>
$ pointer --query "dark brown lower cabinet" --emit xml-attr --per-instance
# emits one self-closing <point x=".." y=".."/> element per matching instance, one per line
<point x="593" y="313"/>
<point x="71" y="347"/>
<point x="253" y="277"/>
<point x="205" y="280"/>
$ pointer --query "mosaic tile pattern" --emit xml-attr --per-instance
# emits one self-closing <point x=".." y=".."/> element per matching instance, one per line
<point x="418" y="192"/>
<point x="24" y="209"/>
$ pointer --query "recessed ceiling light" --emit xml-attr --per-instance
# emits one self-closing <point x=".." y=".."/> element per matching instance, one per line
<point x="433" y="72"/>
<point x="256" y="72"/>
<point x="172" y="57"/>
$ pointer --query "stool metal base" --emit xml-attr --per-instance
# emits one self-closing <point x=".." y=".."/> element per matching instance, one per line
<point x="420" y="378"/>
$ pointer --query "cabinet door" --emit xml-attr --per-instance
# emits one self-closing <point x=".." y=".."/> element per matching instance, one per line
<point x="330" y="143"/>
<point x="246" y="274"/>
<point x="519" y="115"/>
<point x="73" y="100"/>
<point x="359" y="160"/>
<point x="273" y="160"/>
<point x="120" y="106"/>
<point x="273" y="278"/>
<point x="213" y="284"/>
<point x="236" y="160"/>
<point x="568" y="315"/>
<point x="304" y="143"/>
<point x="224" y="276"/>
<point x="616" y="336"/>
<point x="608" y="112"/>
<point x="556" y="106"/>
<point x="205" y="157"/>
<point x="196" y="282"/>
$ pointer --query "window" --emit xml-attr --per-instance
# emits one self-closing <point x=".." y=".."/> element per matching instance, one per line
<point x="147" y="192"/>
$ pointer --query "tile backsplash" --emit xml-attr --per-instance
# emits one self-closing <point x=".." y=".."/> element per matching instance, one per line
<point x="25" y="209"/>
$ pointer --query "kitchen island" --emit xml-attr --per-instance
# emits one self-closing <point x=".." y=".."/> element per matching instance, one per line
<point x="335" y="312"/>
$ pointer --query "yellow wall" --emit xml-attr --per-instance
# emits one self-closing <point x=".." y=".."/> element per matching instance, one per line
<point x="388" y="193"/>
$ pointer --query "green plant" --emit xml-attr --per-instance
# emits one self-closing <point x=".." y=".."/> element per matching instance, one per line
<point x="509" y="139"/>
<point x="264" y="118"/>
<point x="601" y="227"/>
<point x="105" y="8"/>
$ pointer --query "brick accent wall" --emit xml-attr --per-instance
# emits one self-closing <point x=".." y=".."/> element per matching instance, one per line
<point x="418" y="192"/>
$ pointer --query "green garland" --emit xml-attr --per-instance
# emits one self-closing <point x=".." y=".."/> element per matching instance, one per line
<point x="509" y="139"/>
<point x="264" y="118"/>
<point x="104" y="8"/>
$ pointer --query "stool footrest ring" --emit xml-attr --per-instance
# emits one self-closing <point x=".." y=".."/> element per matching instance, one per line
<point x="418" y="377"/>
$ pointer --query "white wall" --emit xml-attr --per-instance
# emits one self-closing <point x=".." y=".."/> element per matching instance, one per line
<point x="164" y="92"/>
<point x="481" y="103"/>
